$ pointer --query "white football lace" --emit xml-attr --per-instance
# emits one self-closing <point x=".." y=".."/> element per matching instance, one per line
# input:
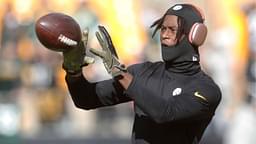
<point x="66" y="40"/>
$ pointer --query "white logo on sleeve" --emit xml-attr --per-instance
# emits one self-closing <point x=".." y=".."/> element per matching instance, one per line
<point x="194" y="58"/>
<point x="176" y="91"/>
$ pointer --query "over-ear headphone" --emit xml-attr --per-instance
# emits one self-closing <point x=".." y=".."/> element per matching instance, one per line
<point x="197" y="34"/>
<point x="198" y="31"/>
<point x="195" y="28"/>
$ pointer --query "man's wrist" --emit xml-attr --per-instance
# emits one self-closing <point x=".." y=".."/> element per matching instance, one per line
<point x="118" y="70"/>
<point x="72" y="72"/>
<point x="125" y="79"/>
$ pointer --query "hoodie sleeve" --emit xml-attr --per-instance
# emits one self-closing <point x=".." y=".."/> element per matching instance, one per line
<point x="87" y="95"/>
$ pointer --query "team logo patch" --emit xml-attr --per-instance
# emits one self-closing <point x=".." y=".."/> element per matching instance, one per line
<point x="177" y="7"/>
<point x="194" y="58"/>
<point x="176" y="91"/>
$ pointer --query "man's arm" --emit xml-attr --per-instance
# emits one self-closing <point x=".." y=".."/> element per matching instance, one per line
<point x="86" y="95"/>
<point x="82" y="92"/>
<point x="125" y="79"/>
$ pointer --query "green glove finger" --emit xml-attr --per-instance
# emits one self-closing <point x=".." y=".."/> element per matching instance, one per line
<point x="99" y="53"/>
<point x="88" y="60"/>
<point x="101" y="41"/>
<point x="85" y="34"/>
<point x="104" y="40"/>
<point x="108" y="40"/>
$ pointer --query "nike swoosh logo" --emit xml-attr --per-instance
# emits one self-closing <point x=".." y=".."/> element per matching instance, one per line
<point x="197" y="94"/>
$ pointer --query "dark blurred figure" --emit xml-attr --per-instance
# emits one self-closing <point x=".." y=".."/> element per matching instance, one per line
<point x="250" y="11"/>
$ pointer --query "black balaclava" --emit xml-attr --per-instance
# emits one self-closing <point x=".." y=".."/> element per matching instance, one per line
<point x="182" y="57"/>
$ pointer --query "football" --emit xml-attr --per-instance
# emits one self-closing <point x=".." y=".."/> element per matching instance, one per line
<point x="58" y="31"/>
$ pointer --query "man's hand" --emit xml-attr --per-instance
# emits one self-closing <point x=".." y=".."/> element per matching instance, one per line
<point x="76" y="58"/>
<point x="108" y="53"/>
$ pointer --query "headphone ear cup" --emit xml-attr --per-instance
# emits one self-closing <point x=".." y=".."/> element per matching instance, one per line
<point x="197" y="34"/>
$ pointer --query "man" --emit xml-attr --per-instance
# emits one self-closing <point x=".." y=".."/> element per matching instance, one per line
<point x="174" y="100"/>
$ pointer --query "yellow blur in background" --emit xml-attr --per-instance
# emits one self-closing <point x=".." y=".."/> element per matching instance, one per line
<point x="32" y="88"/>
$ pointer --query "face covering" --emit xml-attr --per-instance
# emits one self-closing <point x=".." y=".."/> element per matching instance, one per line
<point x="182" y="58"/>
<point x="181" y="52"/>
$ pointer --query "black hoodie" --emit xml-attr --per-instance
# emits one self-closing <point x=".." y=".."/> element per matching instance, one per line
<point x="174" y="100"/>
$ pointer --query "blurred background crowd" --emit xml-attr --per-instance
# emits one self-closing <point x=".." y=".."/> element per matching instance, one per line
<point x="35" y="106"/>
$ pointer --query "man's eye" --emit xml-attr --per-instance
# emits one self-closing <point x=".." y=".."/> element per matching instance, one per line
<point x="163" y="28"/>
<point x="174" y="30"/>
